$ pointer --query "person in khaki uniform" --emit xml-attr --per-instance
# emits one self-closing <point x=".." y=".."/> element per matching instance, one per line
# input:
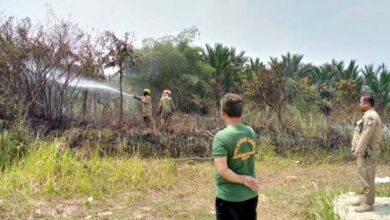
<point x="147" y="107"/>
<point x="166" y="108"/>
<point x="365" y="150"/>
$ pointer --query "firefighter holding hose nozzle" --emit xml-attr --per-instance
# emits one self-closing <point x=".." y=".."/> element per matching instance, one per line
<point x="147" y="107"/>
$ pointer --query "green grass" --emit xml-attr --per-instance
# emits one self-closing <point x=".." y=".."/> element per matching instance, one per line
<point x="50" y="171"/>
<point x="129" y="186"/>
<point x="320" y="204"/>
<point x="53" y="170"/>
<point x="383" y="190"/>
<point x="12" y="147"/>
<point x="306" y="123"/>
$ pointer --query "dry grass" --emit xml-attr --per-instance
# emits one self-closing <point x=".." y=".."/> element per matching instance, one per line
<point x="288" y="192"/>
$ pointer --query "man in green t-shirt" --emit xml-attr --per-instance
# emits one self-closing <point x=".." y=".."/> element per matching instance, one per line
<point x="234" y="158"/>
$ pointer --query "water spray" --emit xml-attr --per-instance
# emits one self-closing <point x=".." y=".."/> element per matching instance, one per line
<point x="89" y="84"/>
<point x="95" y="85"/>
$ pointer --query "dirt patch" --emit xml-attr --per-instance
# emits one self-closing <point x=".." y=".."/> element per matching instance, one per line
<point x="343" y="208"/>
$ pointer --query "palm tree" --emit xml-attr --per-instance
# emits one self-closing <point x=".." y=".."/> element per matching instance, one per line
<point x="235" y="71"/>
<point x="252" y="68"/>
<point x="227" y="64"/>
<point x="349" y="79"/>
<point x="255" y="65"/>
<point x="294" y="70"/>
<point x="291" y="63"/>
<point x="237" y="59"/>
<point x="352" y="72"/>
<point x="322" y="76"/>
<point x="371" y="76"/>
<point x="219" y="59"/>
<point x="378" y="81"/>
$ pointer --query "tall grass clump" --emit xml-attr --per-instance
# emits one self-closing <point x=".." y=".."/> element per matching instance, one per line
<point x="385" y="147"/>
<point x="383" y="190"/>
<point x="13" y="147"/>
<point x="54" y="170"/>
<point x="306" y="123"/>
<point x="320" y="205"/>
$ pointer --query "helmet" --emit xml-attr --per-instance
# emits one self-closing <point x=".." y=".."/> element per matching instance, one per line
<point x="166" y="92"/>
<point x="147" y="91"/>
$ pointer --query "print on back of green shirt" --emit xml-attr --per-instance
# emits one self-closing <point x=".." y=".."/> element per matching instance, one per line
<point x="237" y="143"/>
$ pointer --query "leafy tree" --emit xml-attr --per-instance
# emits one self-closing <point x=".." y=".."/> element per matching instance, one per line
<point x="177" y="65"/>
<point x="123" y="54"/>
<point x="270" y="85"/>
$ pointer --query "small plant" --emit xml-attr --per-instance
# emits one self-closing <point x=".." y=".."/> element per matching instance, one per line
<point x="321" y="205"/>
<point x="383" y="190"/>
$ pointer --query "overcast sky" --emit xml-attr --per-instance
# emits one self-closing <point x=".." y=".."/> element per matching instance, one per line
<point x="318" y="29"/>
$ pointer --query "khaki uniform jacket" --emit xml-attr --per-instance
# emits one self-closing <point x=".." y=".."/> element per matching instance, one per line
<point x="146" y="104"/>
<point x="166" y="105"/>
<point x="367" y="135"/>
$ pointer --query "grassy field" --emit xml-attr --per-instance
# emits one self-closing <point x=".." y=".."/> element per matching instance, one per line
<point x="53" y="182"/>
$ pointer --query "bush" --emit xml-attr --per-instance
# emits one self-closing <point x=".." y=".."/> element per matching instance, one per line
<point x="13" y="146"/>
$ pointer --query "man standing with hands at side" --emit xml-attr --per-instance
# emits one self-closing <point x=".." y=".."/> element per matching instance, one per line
<point x="234" y="150"/>
<point x="365" y="150"/>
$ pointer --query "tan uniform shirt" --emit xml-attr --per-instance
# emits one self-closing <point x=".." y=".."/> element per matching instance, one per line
<point x="166" y="105"/>
<point x="146" y="104"/>
<point x="367" y="135"/>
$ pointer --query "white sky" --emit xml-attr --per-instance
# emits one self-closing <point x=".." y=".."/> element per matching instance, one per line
<point x="318" y="29"/>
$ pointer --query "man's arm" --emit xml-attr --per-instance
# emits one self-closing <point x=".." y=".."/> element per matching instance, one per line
<point x="141" y="98"/>
<point x="355" y="136"/>
<point x="229" y="175"/>
<point x="145" y="100"/>
<point x="173" y="105"/>
<point x="159" y="109"/>
<point x="365" y="136"/>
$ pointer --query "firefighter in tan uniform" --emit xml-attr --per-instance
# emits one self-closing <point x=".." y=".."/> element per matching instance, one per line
<point x="166" y="108"/>
<point x="365" y="150"/>
<point x="147" y="107"/>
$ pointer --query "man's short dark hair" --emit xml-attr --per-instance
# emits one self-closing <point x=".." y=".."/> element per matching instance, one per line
<point x="370" y="99"/>
<point x="232" y="104"/>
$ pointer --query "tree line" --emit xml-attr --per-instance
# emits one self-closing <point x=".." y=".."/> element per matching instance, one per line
<point x="31" y="54"/>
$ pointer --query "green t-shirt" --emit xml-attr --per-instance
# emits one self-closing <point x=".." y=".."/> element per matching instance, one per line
<point x="237" y="143"/>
